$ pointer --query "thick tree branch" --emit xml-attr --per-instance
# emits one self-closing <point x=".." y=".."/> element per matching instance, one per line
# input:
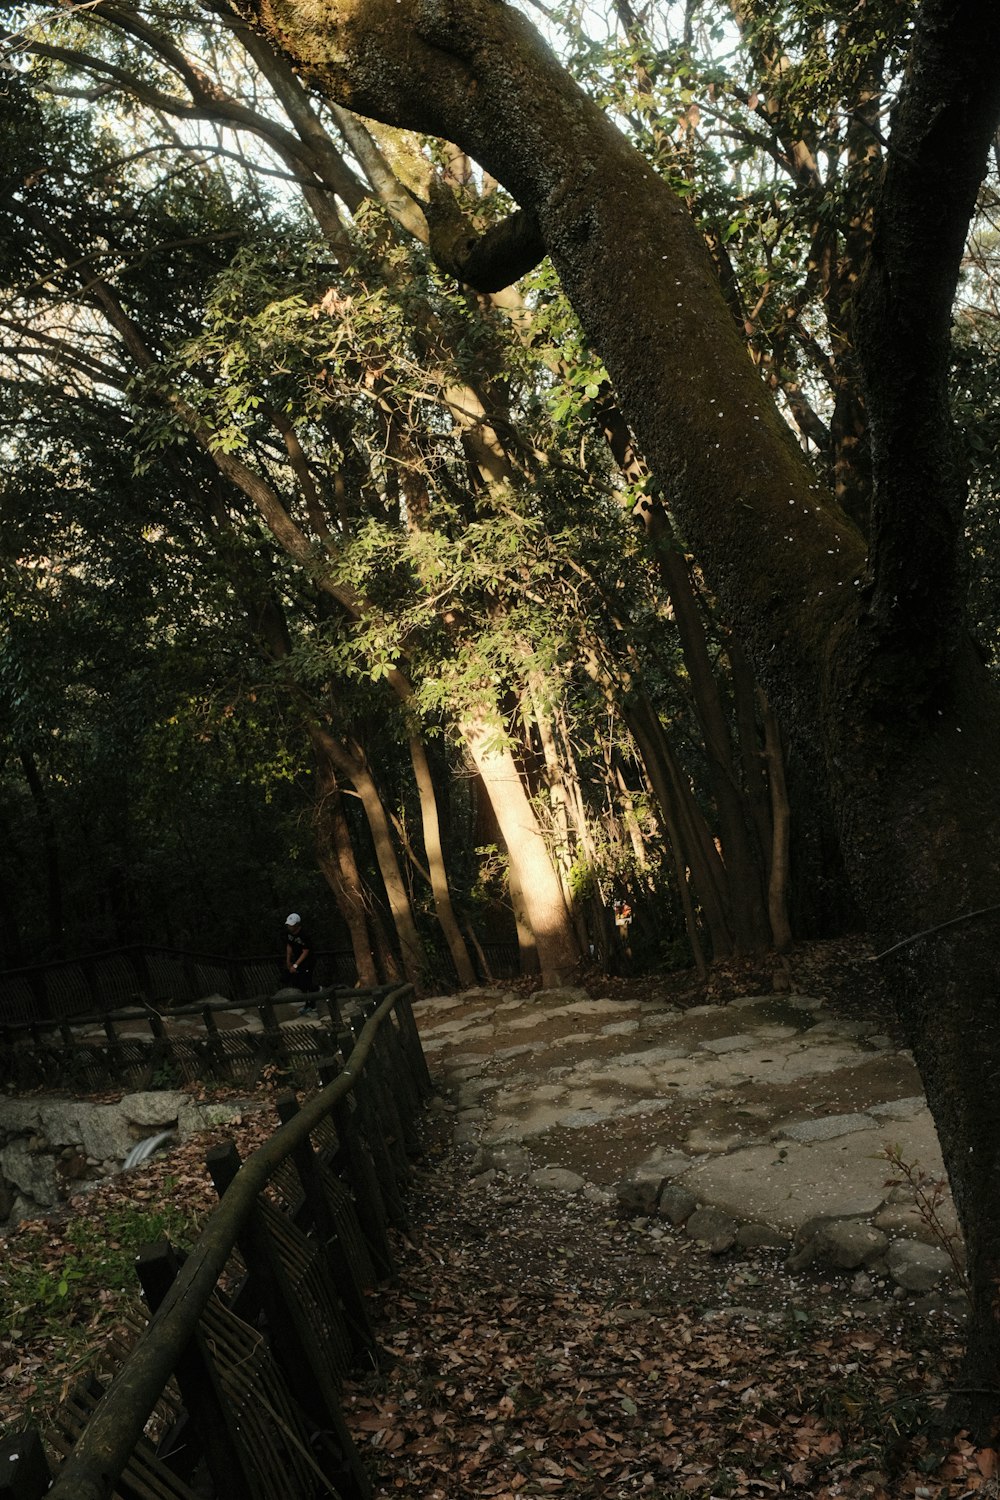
<point x="485" y="262"/>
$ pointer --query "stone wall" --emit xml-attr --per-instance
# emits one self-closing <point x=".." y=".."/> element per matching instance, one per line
<point x="50" y="1148"/>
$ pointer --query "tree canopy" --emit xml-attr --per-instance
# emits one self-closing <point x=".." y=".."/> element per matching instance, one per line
<point x="346" y="343"/>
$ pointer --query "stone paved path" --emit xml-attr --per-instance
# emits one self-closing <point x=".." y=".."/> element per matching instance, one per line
<point x="771" y="1109"/>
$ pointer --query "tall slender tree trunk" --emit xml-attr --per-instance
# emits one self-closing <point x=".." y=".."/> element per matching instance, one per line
<point x="752" y="758"/>
<point x="748" y="914"/>
<point x="335" y="853"/>
<point x="676" y="803"/>
<point x="777" y="886"/>
<point x="683" y="878"/>
<point x="350" y="763"/>
<point x="558" y="950"/>
<point x="559" y="799"/>
<point x="464" y="968"/>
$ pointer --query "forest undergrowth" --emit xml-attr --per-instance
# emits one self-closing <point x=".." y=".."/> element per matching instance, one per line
<point x="538" y="1344"/>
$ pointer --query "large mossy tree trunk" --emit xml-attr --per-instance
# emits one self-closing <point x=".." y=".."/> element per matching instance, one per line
<point x="865" y="660"/>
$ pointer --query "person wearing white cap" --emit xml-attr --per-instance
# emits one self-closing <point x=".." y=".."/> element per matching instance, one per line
<point x="298" y="956"/>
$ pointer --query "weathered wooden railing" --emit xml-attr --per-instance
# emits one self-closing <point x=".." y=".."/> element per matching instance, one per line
<point x="234" y="1393"/>
<point x="160" y="976"/>
<point x="102" y="982"/>
<point x="140" y="1047"/>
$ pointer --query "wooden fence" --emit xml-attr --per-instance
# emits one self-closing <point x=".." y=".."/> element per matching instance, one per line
<point x="140" y="1047"/>
<point x="170" y="977"/>
<point x="161" y="977"/>
<point x="232" y="1390"/>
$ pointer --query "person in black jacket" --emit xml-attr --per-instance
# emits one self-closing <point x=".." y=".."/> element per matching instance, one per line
<point x="299" y="956"/>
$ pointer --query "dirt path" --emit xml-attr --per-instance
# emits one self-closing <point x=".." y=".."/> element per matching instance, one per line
<point x="542" y="1345"/>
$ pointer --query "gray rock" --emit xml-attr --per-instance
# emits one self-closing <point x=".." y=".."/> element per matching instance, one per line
<point x="557" y="1180"/>
<point x="562" y="996"/>
<point x="826" y="1129"/>
<point x="32" y="1173"/>
<point x="711" y="1227"/>
<point x="899" y="1109"/>
<point x="193" y="1117"/>
<point x="714" y="1142"/>
<point x="580" y="1119"/>
<point x="600" y="1196"/>
<point x="837" y="1245"/>
<point x="463" y="1074"/>
<point x="511" y="1159"/>
<point x="902" y="1221"/>
<point x="722" y="1044"/>
<point x="761" y="1237"/>
<point x="483" y="1179"/>
<point x="667" y="1162"/>
<point x="154" y="1110"/>
<point x="676" y="1204"/>
<point x="804" y="1002"/>
<point x="639" y="1192"/>
<point x="915" y="1267"/>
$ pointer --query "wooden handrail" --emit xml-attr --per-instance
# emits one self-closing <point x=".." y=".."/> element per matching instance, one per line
<point x="105" y="1445"/>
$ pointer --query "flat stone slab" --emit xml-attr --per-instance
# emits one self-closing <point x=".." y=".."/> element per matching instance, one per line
<point x="722" y="1044"/>
<point x="826" y="1129"/>
<point x="899" y="1109"/>
<point x="595" y="1008"/>
<point x="460" y="1024"/>
<point x="783" y="1184"/>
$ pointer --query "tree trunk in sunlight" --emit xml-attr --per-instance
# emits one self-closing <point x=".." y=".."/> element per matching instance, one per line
<point x="540" y="886"/>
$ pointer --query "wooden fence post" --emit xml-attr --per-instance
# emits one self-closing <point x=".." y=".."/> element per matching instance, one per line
<point x="359" y="1324"/>
<point x="24" y="1469"/>
<point x="208" y="1410"/>
<point x="410" y="1037"/>
<point x="367" y="1097"/>
<point x="215" y="1045"/>
<point x="360" y="1170"/>
<point x="292" y="1340"/>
